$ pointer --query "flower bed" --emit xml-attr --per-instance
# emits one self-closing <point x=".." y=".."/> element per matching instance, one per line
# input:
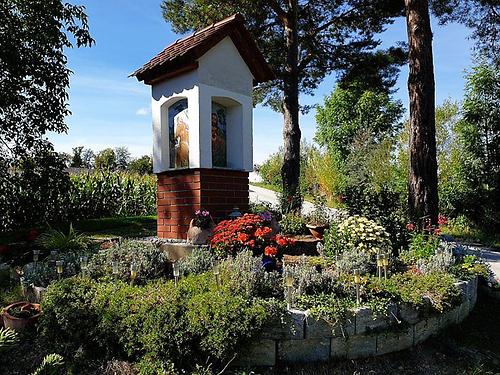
<point x="363" y="334"/>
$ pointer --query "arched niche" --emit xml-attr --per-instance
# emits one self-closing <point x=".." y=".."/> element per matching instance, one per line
<point x="227" y="133"/>
<point x="176" y="124"/>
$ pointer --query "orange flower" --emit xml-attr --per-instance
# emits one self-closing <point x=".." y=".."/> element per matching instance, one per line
<point x="262" y="232"/>
<point x="243" y="237"/>
<point x="270" y="251"/>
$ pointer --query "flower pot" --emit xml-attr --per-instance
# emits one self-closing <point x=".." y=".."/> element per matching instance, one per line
<point x="197" y="235"/>
<point x="20" y="323"/>
<point x="317" y="230"/>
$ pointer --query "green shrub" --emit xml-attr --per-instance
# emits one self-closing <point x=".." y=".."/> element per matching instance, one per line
<point x="352" y="259"/>
<point x="411" y="288"/>
<point x="152" y="262"/>
<point x="199" y="261"/>
<point x="51" y="365"/>
<point x="68" y="321"/>
<point x="470" y="266"/>
<point x="422" y="246"/>
<point x="42" y="273"/>
<point x="334" y="241"/>
<point x="57" y="240"/>
<point x="293" y="224"/>
<point x="8" y="339"/>
<point x="157" y="324"/>
<point x="308" y="280"/>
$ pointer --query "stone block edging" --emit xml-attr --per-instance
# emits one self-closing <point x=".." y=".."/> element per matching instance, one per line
<point x="307" y="340"/>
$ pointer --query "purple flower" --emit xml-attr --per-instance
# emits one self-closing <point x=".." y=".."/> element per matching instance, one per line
<point x="266" y="216"/>
<point x="205" y="213"/>
<point x="197" y="212"/>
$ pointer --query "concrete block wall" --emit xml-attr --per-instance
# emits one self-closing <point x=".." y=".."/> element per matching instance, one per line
<point x="303" y="339"/>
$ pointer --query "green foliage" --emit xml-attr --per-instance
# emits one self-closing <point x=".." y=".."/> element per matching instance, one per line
<point x="438" y="288"/>
<point x="106" y="159"/>
<point x="422" y="246"/>
<point x="51" y="365"/>
<point x="320" y="215"/>
<point x="442" y="261"/>
<point x="8" y="339"/>
<point x="34" y="102"/>
<point x="157" y="324"/>
<point x="58" y="240"/>
<point x="334" y="241"/>
<point x="199" y="261"/>
<point x="68" y="322"/>
<point x="338" y="38"/>
<point x="293" y="224"/>
<point x="470" y="266"/>
<point x="151" y="262"/>
<point x="270" y="169"/>
<point x="352" y="259"/>
<point x="348" y="111"/>
<point x="308" y="280"/>
<point x="329" y="307"/>
<point x="110" y="194"/>
<point x="142" y="165"/>
<point x="42" y="273"/>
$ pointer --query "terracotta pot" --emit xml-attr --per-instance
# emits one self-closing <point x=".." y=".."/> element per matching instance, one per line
<point x="18" y="324"/>
<point x="198" y="236"/>
<point x="317" y="230"/>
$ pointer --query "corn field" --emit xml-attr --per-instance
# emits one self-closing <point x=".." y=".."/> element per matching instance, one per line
<point x="27" y="202"/>
<point x="110" y="194"/>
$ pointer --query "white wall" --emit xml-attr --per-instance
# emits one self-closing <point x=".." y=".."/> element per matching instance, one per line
<point x="222" y="76"/>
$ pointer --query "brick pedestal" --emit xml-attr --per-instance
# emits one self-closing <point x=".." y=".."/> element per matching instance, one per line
<point x="182" y="192"/>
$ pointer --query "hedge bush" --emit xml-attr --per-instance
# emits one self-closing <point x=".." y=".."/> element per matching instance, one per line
<point x="158" y="324"/>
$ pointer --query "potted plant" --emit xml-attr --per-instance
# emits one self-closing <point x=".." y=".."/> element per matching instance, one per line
<point x="200" y="228"/>
<point x="21" y="315"/>
<point x="318" y="219"/>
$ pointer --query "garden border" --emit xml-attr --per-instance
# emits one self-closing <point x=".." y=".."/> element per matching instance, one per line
<point x="309" y="340"/>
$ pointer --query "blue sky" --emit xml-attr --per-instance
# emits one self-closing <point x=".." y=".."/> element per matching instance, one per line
<point x="110" y="110"/>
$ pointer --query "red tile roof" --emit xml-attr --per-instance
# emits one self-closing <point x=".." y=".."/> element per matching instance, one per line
<point x="182" y="55"/>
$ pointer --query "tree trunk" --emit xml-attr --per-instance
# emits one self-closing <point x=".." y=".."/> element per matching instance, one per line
<point x="290" y="171"/>
<point x="422" y="183"/>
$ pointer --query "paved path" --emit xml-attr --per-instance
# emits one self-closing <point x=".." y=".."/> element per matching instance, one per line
<point x="485" y="253"/>
<point x="259" y="194"/>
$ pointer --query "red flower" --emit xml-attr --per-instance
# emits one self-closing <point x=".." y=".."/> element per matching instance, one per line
<point x="270" y="251"/>
<point x="410" y="227"/>
<point x="284" y="241"/>
<point x="243" y="237"/>
<point x="251" y="244"/>
<point x="263" y="232"/>
<point x="442" y="220"/>
<point x="437" y="231"/>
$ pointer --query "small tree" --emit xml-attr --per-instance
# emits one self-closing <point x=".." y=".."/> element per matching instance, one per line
<point x="122" y="157"/>
<point x="350" y="110"/>
<point x="106" y="159"/>
<point x="142" y="165"/>
<point x="76" y="158"/>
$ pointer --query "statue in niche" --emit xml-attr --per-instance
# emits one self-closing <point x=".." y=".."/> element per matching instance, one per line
<point x="179" y="135"/>
<point x="219" y="154"/>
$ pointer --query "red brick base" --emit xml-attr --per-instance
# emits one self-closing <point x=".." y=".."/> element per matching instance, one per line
<point x="182" y="192"/>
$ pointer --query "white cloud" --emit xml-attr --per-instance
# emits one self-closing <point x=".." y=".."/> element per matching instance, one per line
<point x="143" y="111"/>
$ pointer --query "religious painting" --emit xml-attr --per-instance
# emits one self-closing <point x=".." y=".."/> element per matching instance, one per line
<point x="178" y="127"/>
<point x="219" y="152"/>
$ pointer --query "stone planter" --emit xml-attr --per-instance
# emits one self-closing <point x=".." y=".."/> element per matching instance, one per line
<point x="198" y="236"/>
<point x="317" y="230"/>
<point x="305" y="339"/>
<point x="20" y="323"/>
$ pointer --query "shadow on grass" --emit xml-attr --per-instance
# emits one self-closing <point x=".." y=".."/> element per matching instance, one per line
<point x="131" y="226"/>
